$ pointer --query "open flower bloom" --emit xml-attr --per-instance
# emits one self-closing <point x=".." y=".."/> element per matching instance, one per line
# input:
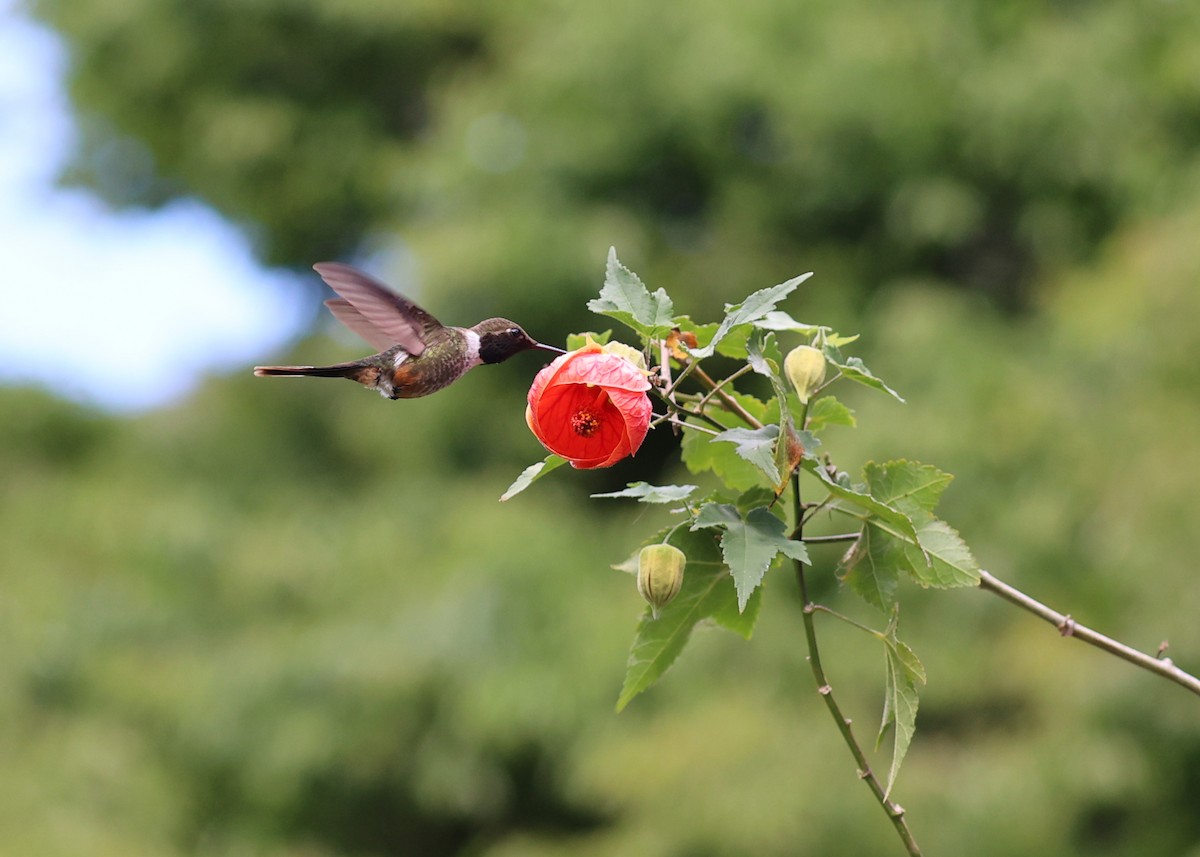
<point x="590" y="407"/>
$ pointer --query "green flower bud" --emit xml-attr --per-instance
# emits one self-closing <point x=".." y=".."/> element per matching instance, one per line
<point x="660" y="574"/>
<point x="805" y="367"/>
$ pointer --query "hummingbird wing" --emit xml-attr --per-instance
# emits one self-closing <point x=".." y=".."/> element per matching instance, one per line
<point x="393" y="317"/>
<point x="345" y="312"/>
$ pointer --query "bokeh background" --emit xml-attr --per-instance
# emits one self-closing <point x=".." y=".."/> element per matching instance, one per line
<point x="245" y="617"/>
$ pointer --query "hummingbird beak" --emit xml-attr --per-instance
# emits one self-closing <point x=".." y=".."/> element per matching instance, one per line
<point x="545" y="347"/>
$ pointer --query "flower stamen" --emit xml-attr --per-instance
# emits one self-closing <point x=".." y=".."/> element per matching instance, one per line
<point x="584" y="423"/>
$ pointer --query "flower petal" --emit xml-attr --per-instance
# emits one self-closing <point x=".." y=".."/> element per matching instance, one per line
<point x="590" y="407"/>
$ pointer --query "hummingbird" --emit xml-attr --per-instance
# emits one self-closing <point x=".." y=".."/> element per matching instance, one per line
<point x="418" y="354"/>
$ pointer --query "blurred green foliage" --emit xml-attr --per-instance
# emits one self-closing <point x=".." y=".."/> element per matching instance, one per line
<point x="287" y="618"/>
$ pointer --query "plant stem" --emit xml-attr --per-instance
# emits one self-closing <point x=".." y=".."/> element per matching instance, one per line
<point x="1068" y="627"/>
<point x="700" y="415"/>
<point x="821" y="608"/>
<point x="675" y="421"/>
<point x="727" y="400"/>
<point x="720" y="384"/>
<point x="836" y="537"/>
<point x="894" y="811"/>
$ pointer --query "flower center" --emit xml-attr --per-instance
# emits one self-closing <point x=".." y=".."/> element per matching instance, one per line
<point x="584" y="423"/>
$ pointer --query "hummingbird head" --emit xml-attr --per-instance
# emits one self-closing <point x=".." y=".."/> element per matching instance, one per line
<point x="500" y="339"/>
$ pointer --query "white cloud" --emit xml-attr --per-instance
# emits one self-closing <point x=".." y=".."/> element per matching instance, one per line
<point x="123" y="309"/>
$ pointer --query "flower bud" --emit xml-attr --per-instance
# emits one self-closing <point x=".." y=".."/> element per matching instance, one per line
<point x="630" y="353"/>
<point x="660" y="574"/>
<point x="805" y="367"/>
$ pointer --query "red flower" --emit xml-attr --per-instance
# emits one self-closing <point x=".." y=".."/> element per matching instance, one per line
<point x="590" y="407"/>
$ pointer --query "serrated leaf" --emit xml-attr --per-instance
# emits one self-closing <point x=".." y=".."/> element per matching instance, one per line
<point x="913" y="668"/>
<point x="938" y="559"/>
<point x="749" y="544"/>
<point x="750" y="310"/>
<point x="900" y="483"/>
<point x="854" y="369"/>
<point x="737" y="618"/>
<point x="899" y="709"/>
<point x="531" y="474"/>
<point x="889" y="518"/>
<point x="716" y="515"/>
<point x="871" y="569"/>
<point x="828" y="411"/>
<point x="645" y="493"/>
<point x="575" y="341"/>
<point x="780" y="320"/>
<point x="700" y="454"/>
<point x="757" y="496"/>
<point x="707" y="593"/>
<point x="756" y="446"/>
<point x="837" y="340"/>
<point x="950" y="562"/>
<point x="764" y="356"/>
<point x="750" y="548"/>
<point x="626" y="299"/>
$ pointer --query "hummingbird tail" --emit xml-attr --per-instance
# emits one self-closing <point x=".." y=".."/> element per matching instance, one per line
<point x="341" y="370"/>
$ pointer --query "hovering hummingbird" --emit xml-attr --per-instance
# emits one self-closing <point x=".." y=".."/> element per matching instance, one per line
<point x="418" y="354"/>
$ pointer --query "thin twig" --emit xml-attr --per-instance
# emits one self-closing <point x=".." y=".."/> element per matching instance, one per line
<point x="821" y="608"/>
<point x="836" y="537"/>
<point x="730" y="403"/>
<point x="675" y="421"/>
<point x="700" y="415"/>
<point x="894" y="811"/>
<point x="721" y="384"/>
<point x="1068" y="627"/>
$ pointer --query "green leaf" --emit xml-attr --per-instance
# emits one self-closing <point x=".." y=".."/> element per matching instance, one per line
<point x="737" y="618"/>
<point x="872" y="568"/>
<point x="750" y="548"/>
<point x="933" y="553"/>
<point x="890" y="519"/>
<point x="707" y="593"/>
<point x="756" y="446"/>
<point x="645" y="493"/>
<point x="531" y="474"/>
<point x="950" y="562"/>
<point x="828" y="411"/>
<point x="716" y="515"/>
<point x="938" y="559"/>
<point x="764" y="356"/>
<point x="630" y="564"/>
<point x="780" y="320"/>
<point x="700" y="454"/>
<point x="750" y="310"/>
<point x="627" y="300"/>
<point x="731" y="344"/>
<point x="911" y="664"/>
<point x="900" y="702"/>
<point x="854" y="369"/>
<point x="575" y="341"/>
<point x="908" y="484"/>
<point x="749" y="544"/>
<point x="757" y="496"/>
